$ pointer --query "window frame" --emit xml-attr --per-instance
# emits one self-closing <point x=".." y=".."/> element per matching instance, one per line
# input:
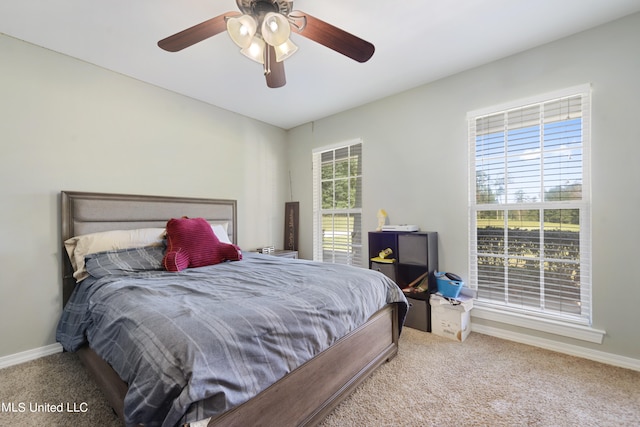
<point x="354" y="255"/>
<point x="537" y="319"/>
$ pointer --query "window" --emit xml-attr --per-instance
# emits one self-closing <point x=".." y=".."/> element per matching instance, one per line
<point x="530" y="242"/>
<point x="337" y="204"/>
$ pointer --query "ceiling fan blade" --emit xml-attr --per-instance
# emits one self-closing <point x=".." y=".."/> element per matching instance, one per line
<point x="331" y="37"/>
<point x="274" y="70"/>
<point x="197" y="33"/>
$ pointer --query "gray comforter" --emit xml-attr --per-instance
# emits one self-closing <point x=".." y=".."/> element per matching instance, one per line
<point x="196" y="343"/>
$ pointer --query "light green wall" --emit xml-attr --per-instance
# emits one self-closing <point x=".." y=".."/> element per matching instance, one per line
<point x="68" y="125"/>
<point x="415" y="159"/>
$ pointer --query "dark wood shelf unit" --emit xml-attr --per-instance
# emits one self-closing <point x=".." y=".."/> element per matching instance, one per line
<point x="415" y="253"/>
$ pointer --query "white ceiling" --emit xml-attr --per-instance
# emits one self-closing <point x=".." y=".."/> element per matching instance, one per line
<point x="417" y="41"/>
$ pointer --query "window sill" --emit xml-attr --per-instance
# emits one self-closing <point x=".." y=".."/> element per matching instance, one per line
<point x="580" y="332"/>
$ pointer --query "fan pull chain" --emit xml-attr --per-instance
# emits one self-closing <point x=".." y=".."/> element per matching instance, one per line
<point x="267" y="61"/>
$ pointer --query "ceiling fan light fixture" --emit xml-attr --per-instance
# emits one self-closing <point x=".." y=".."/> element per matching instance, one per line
<point x="275" y="29"/>
<point x="262" y="28"/>
<point x="242" y="29"/>
<point x="285" y="50"/>
<point x="255" y="50"/>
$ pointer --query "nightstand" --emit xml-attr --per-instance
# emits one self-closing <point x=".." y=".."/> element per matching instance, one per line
<point x="285" y="253"/>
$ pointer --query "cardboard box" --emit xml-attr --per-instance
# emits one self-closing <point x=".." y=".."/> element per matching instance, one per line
<point x="451" y="319"/>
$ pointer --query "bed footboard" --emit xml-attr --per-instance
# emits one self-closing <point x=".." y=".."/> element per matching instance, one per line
<point x="303" y="397"/>
<point x="308" y="394"/>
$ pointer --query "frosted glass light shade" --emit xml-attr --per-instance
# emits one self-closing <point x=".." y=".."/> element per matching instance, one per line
<point x="275" y="29"/>
<point x="255" y="50"/>
<point x="285" y="50"/>
<point x="242" y="29"/>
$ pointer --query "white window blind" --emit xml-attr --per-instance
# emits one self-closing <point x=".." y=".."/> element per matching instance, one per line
<point x="529" y="205"/>
<point x="337" y="207"/>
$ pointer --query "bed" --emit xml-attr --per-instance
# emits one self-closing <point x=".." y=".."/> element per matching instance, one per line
<point x="315" y="381"/>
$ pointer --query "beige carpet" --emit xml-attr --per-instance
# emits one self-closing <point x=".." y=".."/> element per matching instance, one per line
<point x="433" y="381"/>
<point x="487" y="381"/>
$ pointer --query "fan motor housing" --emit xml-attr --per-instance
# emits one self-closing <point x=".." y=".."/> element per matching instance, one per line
<point x="262" y="7"/>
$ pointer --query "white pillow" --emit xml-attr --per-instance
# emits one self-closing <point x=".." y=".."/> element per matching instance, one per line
<point x="80" y="246"/>
<point x="220" y="230"/>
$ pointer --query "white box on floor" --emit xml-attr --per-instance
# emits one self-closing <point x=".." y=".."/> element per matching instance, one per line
<point x="451" y="320"/>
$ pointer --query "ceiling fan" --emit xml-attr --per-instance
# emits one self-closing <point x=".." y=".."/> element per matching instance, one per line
<point x="262" y="30"/>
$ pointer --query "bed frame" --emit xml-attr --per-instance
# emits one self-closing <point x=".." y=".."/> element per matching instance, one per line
<point x="301" y="398"/>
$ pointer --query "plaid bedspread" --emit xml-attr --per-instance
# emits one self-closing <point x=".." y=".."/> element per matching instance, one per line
<point x="197" y="343"/>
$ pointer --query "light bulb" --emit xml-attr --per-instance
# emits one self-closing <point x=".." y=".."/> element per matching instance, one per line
<point x="285" y="50"/>
<point x="275" y="29"/>
<point x="242" y="29"/>
<point x="255" y="50"/>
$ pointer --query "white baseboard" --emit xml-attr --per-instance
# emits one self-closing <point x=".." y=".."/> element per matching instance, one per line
<point x="26" y="356"/>
<point x="560" y="347"/>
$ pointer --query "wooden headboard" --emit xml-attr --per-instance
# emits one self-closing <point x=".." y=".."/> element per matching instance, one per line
<point x="84" y="213"/>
